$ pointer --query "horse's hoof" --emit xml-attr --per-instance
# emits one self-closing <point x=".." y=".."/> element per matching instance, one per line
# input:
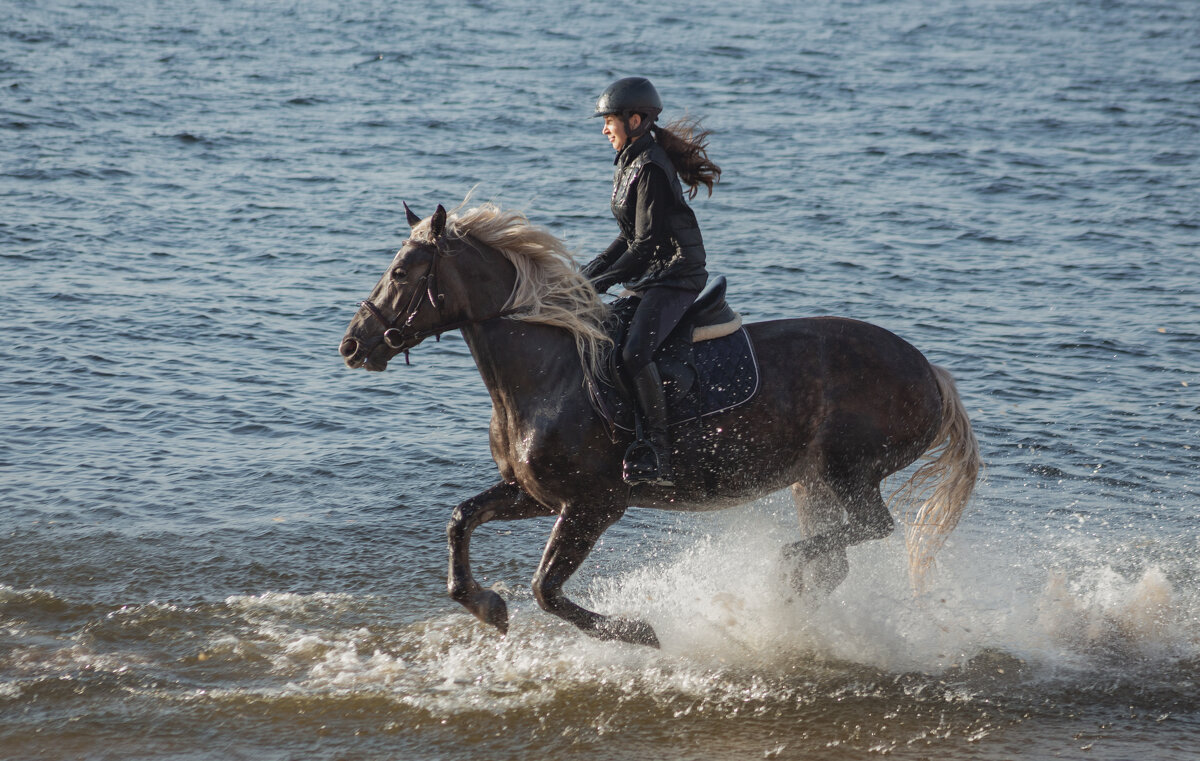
<point x="491" y="609"/>
<point x="817" y="578"/>
<point x="827" y="572"/>
<point x="628" y="630"/>
<point x="796" y="587"/>
<point x="801" y="552"/>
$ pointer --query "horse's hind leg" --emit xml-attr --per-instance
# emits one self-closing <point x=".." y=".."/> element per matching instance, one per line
<point x="820" y="511"/>
<point x="574" y="535"/>
<point x="868" y="518"/>
<point x="503" y="502"/>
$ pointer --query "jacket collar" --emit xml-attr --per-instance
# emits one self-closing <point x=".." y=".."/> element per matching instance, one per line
<point x="633" y="150"/>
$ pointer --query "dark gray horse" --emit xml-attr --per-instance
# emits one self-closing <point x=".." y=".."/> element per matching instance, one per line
<point x="841" y="405"/>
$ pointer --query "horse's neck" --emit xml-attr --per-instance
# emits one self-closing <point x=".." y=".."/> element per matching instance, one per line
<point x="524" y="365"/>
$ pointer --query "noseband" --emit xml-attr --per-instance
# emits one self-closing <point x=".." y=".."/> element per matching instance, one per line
<point x="397" y="337"/>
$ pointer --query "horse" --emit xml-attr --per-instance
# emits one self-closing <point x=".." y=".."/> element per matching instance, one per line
<point x="841" y="404"/>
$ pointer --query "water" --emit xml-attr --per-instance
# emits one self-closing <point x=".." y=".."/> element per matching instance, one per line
<point x="217" y="542"/>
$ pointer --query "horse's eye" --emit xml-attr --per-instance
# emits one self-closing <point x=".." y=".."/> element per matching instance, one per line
<point x="399" y="274"/>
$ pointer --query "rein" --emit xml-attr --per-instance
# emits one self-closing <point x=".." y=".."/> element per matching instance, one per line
<point x="396" y="336"/>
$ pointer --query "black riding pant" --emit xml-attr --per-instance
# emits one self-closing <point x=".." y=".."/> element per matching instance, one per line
<point x="659" y="311"/>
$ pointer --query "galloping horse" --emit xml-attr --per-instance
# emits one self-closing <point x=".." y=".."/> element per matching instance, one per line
<point x="841" y="405"/>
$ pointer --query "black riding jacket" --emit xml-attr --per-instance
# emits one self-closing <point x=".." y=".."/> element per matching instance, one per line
<point x="660" y="241"/>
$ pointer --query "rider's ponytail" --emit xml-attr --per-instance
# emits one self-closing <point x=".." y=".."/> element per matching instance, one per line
<point x="687" y="146"/>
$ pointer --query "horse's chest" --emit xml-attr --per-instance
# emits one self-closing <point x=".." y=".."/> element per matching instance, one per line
<point x="515" y="446"/>
<point x="534" y="456"/>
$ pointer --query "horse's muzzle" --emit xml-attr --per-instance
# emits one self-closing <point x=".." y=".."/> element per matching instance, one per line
<point x="357" y="355"/>
<point x="349" y="350"/>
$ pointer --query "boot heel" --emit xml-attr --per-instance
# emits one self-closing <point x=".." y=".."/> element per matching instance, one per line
<point x="642" y="466"/>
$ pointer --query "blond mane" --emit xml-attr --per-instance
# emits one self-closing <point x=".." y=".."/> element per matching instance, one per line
<point x="549" y="289"/>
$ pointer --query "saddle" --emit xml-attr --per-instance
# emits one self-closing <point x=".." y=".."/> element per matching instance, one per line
<point x="707" y="363"/>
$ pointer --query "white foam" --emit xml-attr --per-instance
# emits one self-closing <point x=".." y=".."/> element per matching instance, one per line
<point x="720" y="603"/>
<point x="723" y="598"/>
<point x="287" y="602"/>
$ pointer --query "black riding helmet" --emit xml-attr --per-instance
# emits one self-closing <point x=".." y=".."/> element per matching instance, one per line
<point x="629" y="96"/>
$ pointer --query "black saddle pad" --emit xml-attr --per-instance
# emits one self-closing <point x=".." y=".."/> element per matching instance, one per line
<point x="699" y="379"/>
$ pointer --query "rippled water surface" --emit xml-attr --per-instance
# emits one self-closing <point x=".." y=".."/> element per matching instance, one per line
<point x="218" y="542"/>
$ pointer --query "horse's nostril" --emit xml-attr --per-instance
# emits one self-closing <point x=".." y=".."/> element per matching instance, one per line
<point x="349" y="347"/>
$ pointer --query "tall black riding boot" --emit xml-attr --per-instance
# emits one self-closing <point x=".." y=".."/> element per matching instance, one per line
<point x="648" y="461"/>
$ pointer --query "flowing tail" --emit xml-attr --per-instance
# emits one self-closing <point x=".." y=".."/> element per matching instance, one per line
<point x="941" y="487"/>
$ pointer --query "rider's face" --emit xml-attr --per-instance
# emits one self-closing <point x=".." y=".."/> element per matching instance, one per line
<point x="614" y="129"/>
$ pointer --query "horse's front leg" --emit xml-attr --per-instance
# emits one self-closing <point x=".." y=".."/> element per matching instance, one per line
<point x="574" y="535"/>
<point x="503" y="502"/>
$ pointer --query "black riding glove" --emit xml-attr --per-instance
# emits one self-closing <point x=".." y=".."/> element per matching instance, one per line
<point x="592" y="269"/>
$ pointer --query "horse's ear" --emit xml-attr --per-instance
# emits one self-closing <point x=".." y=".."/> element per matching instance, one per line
<point x="413" y="219"/>
<point x="437" y="225"/>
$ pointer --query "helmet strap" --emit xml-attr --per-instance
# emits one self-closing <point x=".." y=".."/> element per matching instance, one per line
<point x="643" y="128"/>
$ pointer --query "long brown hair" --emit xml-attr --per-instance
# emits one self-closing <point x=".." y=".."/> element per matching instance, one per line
<point x="687" y="146"/>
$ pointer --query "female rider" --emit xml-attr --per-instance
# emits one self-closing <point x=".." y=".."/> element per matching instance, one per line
<point x="659" y="254"/>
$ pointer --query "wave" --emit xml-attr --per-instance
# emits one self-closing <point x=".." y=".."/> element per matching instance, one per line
<point x="730" y="629"/>
<point x="1014" y="629"/>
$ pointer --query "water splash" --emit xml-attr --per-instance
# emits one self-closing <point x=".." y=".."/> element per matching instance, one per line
<point x="732" y="630"/>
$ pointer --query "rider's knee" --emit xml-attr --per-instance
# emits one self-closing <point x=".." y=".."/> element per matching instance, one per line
<point x="634" y="359"/>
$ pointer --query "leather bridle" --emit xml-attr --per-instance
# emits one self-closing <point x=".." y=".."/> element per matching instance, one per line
<point x="397" y="336"/>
